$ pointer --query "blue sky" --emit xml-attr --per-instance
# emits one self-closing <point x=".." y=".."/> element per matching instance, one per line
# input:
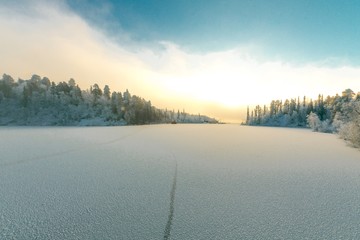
<point x="296" y="31"/>
<point x="209" y="57"/>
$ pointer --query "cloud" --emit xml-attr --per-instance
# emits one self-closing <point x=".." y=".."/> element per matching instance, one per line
<point x="49" y="39"/>
<point x="53" y="41"/>
<point x="237" y="76"/>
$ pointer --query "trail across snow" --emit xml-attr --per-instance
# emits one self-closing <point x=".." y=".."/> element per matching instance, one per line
<point x="172" y="207"/>
<point x="229" y="182"/>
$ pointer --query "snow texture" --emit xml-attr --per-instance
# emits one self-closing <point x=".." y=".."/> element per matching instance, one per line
<point x="231" y="182"/>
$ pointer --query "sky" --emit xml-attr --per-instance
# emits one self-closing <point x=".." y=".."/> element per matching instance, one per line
<point x="204" y="56"/>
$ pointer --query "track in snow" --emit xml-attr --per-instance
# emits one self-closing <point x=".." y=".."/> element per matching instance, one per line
<point x="171" y="209"/>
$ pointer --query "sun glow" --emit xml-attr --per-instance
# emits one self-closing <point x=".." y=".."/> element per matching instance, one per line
<point x="237" y="80"/>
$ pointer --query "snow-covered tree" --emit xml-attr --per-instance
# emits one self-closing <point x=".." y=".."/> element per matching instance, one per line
<point x="314" y="122"/>
<point x="340" y="114"/>
<point x="107" y="92"/>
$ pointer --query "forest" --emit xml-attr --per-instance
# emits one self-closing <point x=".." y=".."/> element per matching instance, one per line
<point x="333" y="114"/>
<point x="41" y="102"/>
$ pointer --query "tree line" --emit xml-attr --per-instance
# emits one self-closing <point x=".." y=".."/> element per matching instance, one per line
<point x="39" y="101"/>
<point x="333" y="114"/>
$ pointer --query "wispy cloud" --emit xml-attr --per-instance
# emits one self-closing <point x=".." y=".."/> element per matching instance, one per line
<point x="51" y="40"/>
<point x="236" y="76"/>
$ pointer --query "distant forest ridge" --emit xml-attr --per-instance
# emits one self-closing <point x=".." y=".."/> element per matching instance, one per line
<point x="40" y="102"/>
<point x="333" y="114"/>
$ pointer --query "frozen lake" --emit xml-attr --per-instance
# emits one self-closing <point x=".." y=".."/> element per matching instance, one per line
<point x="231" y="182"/>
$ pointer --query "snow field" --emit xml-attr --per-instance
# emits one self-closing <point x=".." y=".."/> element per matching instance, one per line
<point x="232" y="182"/>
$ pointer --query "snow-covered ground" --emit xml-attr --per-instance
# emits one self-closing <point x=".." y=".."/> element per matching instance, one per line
<point x="232" y="182"/>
